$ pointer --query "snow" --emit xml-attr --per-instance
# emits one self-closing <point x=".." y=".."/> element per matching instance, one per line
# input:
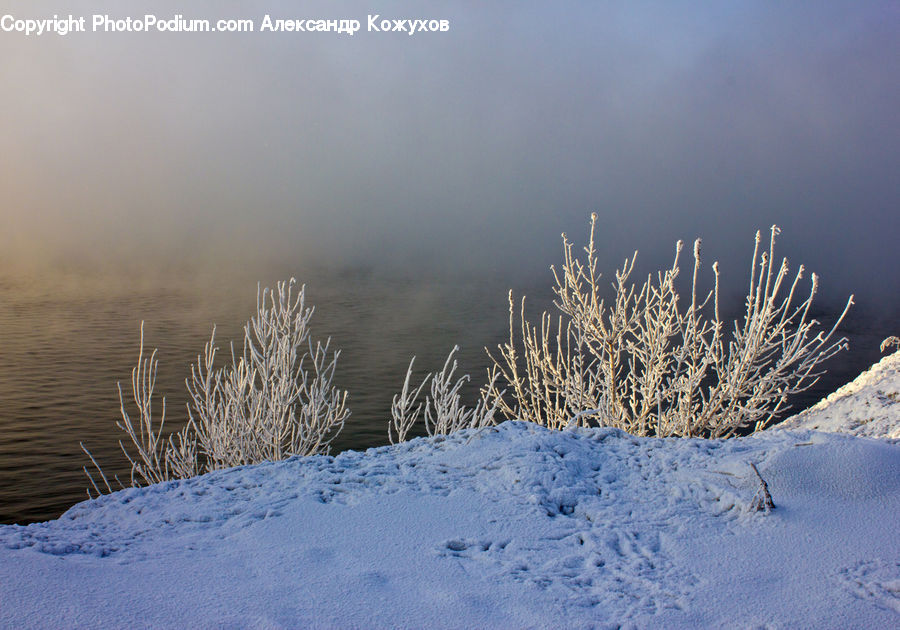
<point x="513" y="526"/>
<point x="868" y="405"/>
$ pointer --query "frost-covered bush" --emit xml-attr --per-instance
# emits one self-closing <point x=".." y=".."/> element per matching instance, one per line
<point x="651" y="364"/>
<point x="272" y="401"/>
<point x="275" y="399"/>
<point x="444" y="411"/>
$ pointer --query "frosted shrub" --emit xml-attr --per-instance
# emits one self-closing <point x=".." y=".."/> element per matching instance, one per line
<point x="149" y="463"/>
<point x="444" y="411"/>
<point x="275" y="399"/>
<point x="272" y="401"/>
<point x="651" y="365"/>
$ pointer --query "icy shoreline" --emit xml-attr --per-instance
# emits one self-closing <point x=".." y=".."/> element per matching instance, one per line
<point x="512" y="526"/>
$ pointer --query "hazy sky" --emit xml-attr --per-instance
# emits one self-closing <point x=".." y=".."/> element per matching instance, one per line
<point x="467" y="149"/>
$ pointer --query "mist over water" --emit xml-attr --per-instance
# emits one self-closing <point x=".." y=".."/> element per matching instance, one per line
<point x="466" y="150"/>
<point x="410" y="181"/>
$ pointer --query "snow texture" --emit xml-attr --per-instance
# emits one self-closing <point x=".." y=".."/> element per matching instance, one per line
<point x="513" y="526"/>
<point x="868" y="405"/>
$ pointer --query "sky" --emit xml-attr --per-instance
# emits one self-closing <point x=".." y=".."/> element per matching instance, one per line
<point x="470" y="150"/>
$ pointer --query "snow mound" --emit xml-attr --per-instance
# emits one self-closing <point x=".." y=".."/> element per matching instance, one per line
<point x="511" y="526"/>
<point x="867" y="406"/>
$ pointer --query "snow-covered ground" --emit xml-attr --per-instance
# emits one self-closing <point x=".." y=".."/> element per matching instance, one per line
<point x="868" y="405"/>
<point x="509" y="527"/>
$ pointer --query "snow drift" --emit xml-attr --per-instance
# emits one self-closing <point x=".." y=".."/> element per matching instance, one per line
<point x="866" y="406"/>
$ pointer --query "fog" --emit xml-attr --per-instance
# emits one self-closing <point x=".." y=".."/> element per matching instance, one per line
<point x="468" y="151"/>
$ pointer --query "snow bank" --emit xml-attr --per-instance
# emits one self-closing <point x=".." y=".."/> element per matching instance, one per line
<point x="868" y="405"/>
<point x="509" y="527"/>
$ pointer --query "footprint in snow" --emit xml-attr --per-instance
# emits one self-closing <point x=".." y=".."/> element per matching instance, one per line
<point x="875" y="581"/>
<point x="603" y="567"/>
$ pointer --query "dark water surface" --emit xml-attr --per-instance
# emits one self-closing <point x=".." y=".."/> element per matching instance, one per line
<point x="65" y="340"/>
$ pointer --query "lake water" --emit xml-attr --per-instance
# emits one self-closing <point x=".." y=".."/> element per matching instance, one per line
<point x="65" y="340"/>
